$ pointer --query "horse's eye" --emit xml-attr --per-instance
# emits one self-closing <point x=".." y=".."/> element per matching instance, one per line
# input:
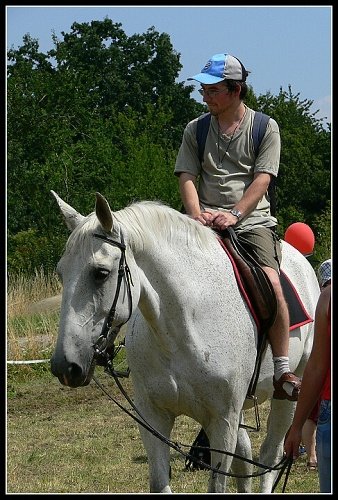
<point x="101" y="274"/>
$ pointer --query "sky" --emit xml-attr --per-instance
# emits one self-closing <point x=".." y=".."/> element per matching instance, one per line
<point x="281" y="46"/>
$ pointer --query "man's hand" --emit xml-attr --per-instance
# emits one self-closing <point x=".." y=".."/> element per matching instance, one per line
<point x="219" y="220"/>
<point x="205" y="218"/>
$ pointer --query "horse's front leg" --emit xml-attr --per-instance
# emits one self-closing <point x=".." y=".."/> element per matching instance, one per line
<point x="271" y="452"/>
<point x="158" y="453"/>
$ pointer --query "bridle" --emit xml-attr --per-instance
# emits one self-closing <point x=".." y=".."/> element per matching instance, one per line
<point x="105" y="342"/>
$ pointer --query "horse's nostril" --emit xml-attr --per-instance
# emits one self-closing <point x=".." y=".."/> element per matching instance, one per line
<point x="74" y="370"/>
<point x="70" y="375"/>
<point x="74" y="375"/>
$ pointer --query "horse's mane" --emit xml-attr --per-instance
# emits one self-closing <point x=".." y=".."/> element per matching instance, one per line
<point x="146" y="222"/>
<point x="149" y="221"/>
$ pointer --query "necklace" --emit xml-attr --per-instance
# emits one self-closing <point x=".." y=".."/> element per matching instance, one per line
<point x="228" y="145"/>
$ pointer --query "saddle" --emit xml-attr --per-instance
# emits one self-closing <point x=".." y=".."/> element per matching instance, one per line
<point x="253" y="278"/>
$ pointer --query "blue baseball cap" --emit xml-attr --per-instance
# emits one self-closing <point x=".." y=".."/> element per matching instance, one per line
<point x="221" y="67"/>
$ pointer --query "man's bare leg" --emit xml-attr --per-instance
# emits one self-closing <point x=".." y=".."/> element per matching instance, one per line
<point x="279" y="341"/>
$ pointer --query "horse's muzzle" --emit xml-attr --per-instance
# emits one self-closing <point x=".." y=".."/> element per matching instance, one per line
<point x="71" y="374"/>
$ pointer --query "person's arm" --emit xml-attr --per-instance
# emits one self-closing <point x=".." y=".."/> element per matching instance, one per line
<point x="313" y="377"/>
<point x="189" y="194"/>
<point x="190" y="199"/>
<point x="254" y="193"/>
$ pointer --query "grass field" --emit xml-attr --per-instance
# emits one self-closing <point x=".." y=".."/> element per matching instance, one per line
<point x="62" y="440"/>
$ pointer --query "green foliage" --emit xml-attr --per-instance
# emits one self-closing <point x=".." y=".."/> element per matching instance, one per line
<point x="30" y="250"/>
<point x="102" y="111"/>
<point x="304" y="181"/>
<point x="322" y="225"/>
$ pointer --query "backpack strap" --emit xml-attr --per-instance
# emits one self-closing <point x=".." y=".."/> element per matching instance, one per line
<point x="203" y="124"/>
<point x="260" y="123"/>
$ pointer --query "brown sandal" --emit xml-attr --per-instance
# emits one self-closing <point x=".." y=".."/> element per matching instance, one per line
<point x="280" y="393"/>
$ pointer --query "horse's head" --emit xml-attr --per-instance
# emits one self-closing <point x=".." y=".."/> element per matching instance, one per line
<point x="97" y="292"/>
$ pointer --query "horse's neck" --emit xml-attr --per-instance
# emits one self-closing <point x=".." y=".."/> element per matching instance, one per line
<point x="150" y="300"/>
<point x="173" y="282"/>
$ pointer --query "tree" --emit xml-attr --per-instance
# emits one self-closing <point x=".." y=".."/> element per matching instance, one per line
<point x="102" y="111"/>
<point x="304" y="179"/>
<point x="98" y="112"/>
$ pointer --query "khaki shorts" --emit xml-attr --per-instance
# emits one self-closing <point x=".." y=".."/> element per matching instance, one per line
<point x="264" y="245"/>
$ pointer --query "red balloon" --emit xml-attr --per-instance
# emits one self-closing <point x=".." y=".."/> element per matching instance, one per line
<point x="300" y="236"/>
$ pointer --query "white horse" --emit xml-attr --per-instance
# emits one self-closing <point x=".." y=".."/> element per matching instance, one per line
<point x="191" y="341"/>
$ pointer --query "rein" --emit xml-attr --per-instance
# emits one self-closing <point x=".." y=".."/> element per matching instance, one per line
<point x="108" y="334"/>
<point x="104" y="352"/>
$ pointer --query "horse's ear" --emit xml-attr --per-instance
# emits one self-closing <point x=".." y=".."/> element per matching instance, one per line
<point x="71" y="217"/>
<point x="103" y="213"/>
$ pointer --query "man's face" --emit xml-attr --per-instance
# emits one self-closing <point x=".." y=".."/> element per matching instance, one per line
<point x="217" y="97"/>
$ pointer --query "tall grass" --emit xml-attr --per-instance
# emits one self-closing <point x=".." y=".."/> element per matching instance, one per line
<point x="30" y="334"/>
<point x="23" y="290"/>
